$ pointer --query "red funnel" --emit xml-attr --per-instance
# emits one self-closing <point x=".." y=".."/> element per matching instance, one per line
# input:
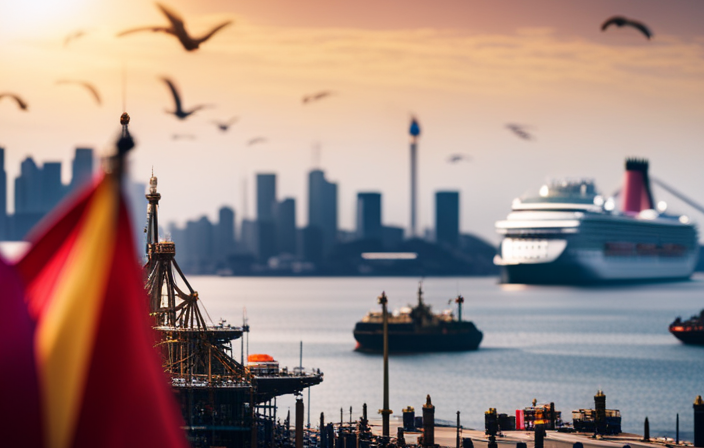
<point x="636" y="187"/>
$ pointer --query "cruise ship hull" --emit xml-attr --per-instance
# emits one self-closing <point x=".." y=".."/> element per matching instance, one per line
<point x="597" y="249"/>
<point x="594" y="268"/>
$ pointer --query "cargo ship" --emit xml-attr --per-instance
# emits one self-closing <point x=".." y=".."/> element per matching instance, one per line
<point x="417" y="329"/>
<point x="568" y="233"/>
<point x="690" y="331"/>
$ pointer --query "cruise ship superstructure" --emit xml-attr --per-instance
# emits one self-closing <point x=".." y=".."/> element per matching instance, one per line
<point x="568" y="233"/>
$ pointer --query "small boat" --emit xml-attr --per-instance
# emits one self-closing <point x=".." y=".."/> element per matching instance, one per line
<point x="690" y="331"/>
<point x="417" y="329"/>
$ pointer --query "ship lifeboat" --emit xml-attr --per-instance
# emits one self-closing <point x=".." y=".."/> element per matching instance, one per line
<point x="262" y="364"/>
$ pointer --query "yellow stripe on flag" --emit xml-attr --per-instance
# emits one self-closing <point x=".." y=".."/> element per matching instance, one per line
<point x="66" y="334"/>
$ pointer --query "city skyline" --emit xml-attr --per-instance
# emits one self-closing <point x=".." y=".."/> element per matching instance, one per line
<point x="466" y="69"/>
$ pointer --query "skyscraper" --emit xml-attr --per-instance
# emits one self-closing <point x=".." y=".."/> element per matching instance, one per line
<point x="322" y="207"/>
<point x="28" y="188"/>
<point x="266" y="197"/>
<point x="369" y="216"/>
<point x="82" y="167"/>
<point x="447" y="217"/>
<point x="52" y="190"/>
<point x="286" y="226"/>
<point x="4" y="234"/>
<point x="224" y="244"/>
<point x="266" y="207"/>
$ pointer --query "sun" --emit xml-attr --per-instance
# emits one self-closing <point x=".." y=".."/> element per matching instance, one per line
<point x="37" y="17"/>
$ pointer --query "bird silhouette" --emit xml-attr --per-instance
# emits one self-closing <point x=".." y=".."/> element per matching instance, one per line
<point x="93" y="91"/>
<point x="177" y="29"/>
<point x="225" y="125"/>
<point x="256" y="140"/>
<point x="621" y="21"/>
<point x="73" y="36"/>
<point x="179" y="112"/>
<point x="316" y="96"/>
<point x="454" y="158"/>
<point x="519" y="131"/>
<point x="20" y="102"/>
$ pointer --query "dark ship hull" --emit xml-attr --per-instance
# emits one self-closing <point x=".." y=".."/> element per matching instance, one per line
<point x="690" y="337"/>
<point x="405" y="338"/>
<point x="690" y="331"/>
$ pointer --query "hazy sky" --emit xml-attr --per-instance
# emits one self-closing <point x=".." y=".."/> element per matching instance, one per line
<point x="465" y="68"/>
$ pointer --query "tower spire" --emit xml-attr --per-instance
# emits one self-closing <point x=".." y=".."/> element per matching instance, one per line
<point x="414" y="132"/>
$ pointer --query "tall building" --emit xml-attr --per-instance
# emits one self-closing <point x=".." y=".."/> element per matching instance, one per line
<point x="52" y="190"/>
<point x="286" y="226"/>
<point x="447" y="217"/>
<point x="369" y="216"/>
<point x="322" y="207"/>
<point x="266" y="208"/>
<point x="82" y="167"/>
<point x="266" y="197"/>
<point x="28" y="188"/>
<point x="199" y="244"/>
<point x="4" y="233"/>
<point x="224" y="244"/>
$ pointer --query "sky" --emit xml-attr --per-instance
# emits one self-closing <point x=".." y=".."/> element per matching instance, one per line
<point x="464" y="68"/>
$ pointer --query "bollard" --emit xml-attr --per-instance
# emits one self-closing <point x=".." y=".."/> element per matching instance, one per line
<point x="699" y="422"/>
<point x="299" y="422"/>
<point x="467" y="443"/>
<point x="521" y="445"/>
<point x="646" y="430"/>
<point x="321" y="436"/>
<point x="457" y="444"/>
<point x="577" y="445"/>
<point x="400" y="440"/>
<point x="428" y="423"/>
<point x="409" y="416"/>
<point x="539" y="436"/>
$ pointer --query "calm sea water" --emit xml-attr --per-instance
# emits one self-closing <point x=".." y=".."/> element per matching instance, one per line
<point x="558" y="344"/>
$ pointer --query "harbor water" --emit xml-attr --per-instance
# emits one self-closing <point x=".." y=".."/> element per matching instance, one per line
<point x="555" y="344"/>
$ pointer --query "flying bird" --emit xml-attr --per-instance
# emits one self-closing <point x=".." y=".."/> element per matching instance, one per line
<point x="20" y="102"/>
<point x="179" y="112"/>
<point x="454" y="158"/>
<point x="73" y="36"/>
<point x="178" y="29"/>
<point x="225" y="125"/>
<point x="316" y="96"/>
<point x="256" y="140"/>
<point x="620" y="21"/>
<point x="519" y="131"/>
<point x="93" y="91"/>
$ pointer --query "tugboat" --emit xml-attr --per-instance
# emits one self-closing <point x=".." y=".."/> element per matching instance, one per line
<point x="417" y="329"/>
<point x="690" y="331"/>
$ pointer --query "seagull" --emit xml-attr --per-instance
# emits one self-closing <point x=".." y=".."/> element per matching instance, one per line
<point x="620" y="21"/>
<point x="454" y="158"/>
<point x="19" y="100"/>
<point x="73" y="36"/>
<point x="255" y="140"/>
<point x="519" y="131"/>
<point x="85" y="84"/>
<point x="316" y="96"/>
<point x="178" y="29"/>
<point x="225" y="125"/>
<point x="179" y="112"/>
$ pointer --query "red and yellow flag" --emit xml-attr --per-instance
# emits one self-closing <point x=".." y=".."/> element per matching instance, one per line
<point x="100" y="380"/>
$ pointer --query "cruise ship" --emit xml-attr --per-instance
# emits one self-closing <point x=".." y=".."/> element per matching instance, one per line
<point x="569" y="234"/>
